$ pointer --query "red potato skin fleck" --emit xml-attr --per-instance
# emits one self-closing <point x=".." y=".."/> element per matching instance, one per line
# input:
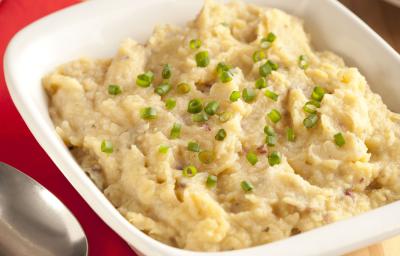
<point x="348" y="192"/>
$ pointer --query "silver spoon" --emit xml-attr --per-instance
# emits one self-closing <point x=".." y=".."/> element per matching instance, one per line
<point x="33" y="221"/>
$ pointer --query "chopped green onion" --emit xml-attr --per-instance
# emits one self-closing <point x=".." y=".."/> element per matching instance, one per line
<point x="318" y="93"/>
<point x="291" y="136"/>
<point x="163" y="149"/>
<point x="175" y="131"/>
<point x="265" y="44"/>
<point x="211" y="181"/>
<point x="193" y="146"/>
<point x="267" y="41"/>
<point x="271" y="140"/>
<point x="148" y="113"/>
<point x="311" y="106"/>
<point x="235" y="95"/>
<point x="303" y="61"/>
<point x="189" y="171"/>
<point x="202" y="59"/>
<point x="222" y="67"/>
<point x="249" y="94"/>
<point x="107" y="146"/>
<point x="273" y="65"/>
<point x="206" y="156"/>
<point x="145" y="79"/>
<point x="271" y="37"/>
<point x="226" y="76"/>
<point x="166" y="72"/>
<point x="195" y="44"/>
<point x="221" y="134"/>
<point x="252" y="158"/>
<point x="246" y="186"/>
<point x="272" y="95"/>
<point x="261" y="83"/>
<point x="170" y="104"/>
<point x="199" y="117"/>
<point x="310" y="121"/>
<point x="211" y="108"/>
<point x="183" y="88"/>
<point x="194" y="106"/>
<point x="258" y="55"/>
<point x="274" y="158"/>
<point x="114" y="89"/>
<point x="265" y="69"/>
<point x="224" y="24"/>
<point x="225" y="116"/>
<point x="274" y="116"/>
<point x="269" y="130"/>
<point x="339" y="139"/>
<point x="162" y="89"/>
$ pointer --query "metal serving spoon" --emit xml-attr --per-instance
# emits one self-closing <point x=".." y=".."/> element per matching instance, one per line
<point x="33" y="221"/>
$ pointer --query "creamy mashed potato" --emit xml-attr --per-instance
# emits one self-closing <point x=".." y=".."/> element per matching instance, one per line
<point x="260" y="166"/>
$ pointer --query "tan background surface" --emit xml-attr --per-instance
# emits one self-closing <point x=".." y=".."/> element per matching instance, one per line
<point x="384" y="18"/>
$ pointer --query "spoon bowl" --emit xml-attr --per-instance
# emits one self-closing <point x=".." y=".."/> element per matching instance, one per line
<point x="33" y="221"/>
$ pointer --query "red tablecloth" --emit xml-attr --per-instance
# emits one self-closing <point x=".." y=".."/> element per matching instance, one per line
<point x="20" y="149"/>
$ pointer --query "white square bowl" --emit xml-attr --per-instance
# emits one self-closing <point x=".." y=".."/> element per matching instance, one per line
<point x="95" y="29"/>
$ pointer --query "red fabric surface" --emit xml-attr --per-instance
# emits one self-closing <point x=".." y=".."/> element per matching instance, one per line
<point x="20" y="149"/>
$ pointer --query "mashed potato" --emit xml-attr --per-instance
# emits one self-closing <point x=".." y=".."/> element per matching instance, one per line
<point x="262" y="163"/>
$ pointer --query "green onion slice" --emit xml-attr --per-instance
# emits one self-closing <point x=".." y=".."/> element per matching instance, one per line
<point x="249" y="95"/>
<point x="235" y="95"/>
<point x="265" y="69"/>
<point x="183" y="88"/>
<point x="211" y="181"/>
<point x="211" y="108"/>
<point x="166" y="72"/>
<point x="175" y="131"/>
<point x="195" y="44"/>
<point x="226" y="76"/>
<point x="303" y="62"/>
<point x="274" y="158"/>
<point x="318" y="93"/>
<point x="202" y="59"/>
<point x="291" y="136"/>
<point x="261" y="83"/>
<point x="269" y="130"/>
<point x="107" y="146"/>
<point x="311" y="106"/>
<point x="258" y="55"/>
<point x="189" y="171"/>
<point x="162" y="89"/>
<point x="271" y="140"/>
<point x="199" y="117"/>
<point x="145" y="79"/>
<point x="271" y="37"/>
<point x="170" y="104"/>
<point x="221" y="134"/>
<point x="339" y="139"/>
<point x="252" y="158"/>
<point x="193" y="146"/>
<point x="225" y="117"/>
<point x="148" y="113"/>
<point x="246" y="186"/>
<point x="194" y="106"/>
<point x="114" y="89"/>
<point x="274" y="115"/>
<point x="272" y="95"/>
<point x="163" y="149"/>
<point x="222" y="67"/>
<point x="310" y="121"/>
<point x="206" y="156"/>
<point x="273" y="65"/>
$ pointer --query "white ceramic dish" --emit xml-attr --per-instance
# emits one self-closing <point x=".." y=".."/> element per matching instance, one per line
<point x="95" y="29"/>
